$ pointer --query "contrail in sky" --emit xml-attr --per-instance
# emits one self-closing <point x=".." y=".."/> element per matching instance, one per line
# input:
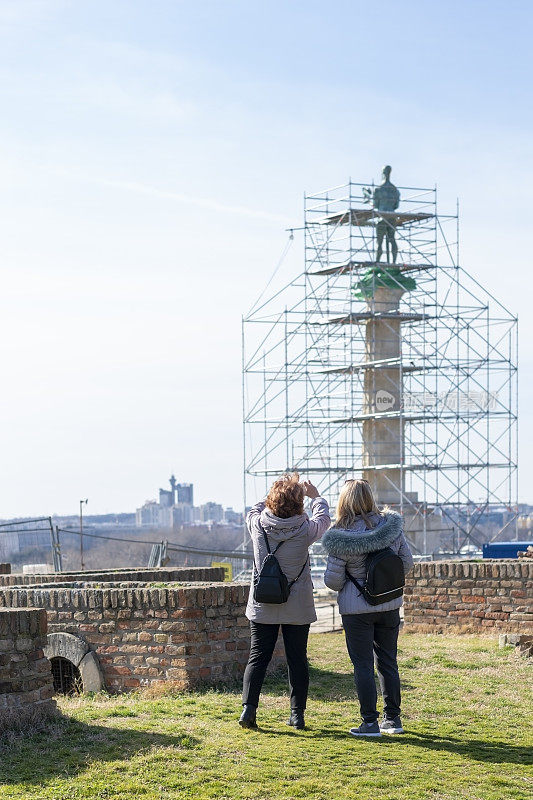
<point x="178" y="197"/>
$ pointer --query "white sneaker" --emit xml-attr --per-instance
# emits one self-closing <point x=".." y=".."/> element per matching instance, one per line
<point x="391" y="725"/>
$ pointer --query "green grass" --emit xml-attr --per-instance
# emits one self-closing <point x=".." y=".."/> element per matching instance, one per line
<point x="465" y="710"/>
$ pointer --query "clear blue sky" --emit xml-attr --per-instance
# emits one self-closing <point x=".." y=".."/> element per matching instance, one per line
<point x="151" y="155"/>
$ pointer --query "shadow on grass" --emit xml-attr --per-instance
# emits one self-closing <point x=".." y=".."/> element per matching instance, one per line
<point x="323" y="684"/>
<point x="476" y="749"/>
<point x="67" y="747"/>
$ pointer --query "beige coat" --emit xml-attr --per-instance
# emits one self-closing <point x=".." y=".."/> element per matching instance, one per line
<point x="297" y="534"/>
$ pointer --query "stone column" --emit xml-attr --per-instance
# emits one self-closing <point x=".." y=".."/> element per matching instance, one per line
<point x="383" y="438"/>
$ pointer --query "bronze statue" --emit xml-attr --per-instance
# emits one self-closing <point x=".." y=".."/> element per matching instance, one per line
<point x="386" y="198"/>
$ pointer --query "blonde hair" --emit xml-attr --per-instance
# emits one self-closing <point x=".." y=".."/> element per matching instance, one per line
<point x="356" y="499"/>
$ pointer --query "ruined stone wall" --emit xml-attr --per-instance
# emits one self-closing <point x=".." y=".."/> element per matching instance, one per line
<point x="26" y="685"/>
<point x="189" y="634"/>
<point x="482" y="596"/>
<point x="146" y="575"/>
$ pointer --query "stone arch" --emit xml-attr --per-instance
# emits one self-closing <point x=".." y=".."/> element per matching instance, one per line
<point x="75" y="650"/>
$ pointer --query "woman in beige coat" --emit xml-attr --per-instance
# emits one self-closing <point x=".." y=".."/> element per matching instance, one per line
<point x="281" y="521"/>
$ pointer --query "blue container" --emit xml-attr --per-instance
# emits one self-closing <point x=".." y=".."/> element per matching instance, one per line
<point x="504" y="549"/>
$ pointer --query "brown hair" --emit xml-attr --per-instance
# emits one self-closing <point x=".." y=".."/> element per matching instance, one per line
<point x="286" y="496"/>
<point x="355" y="500"/>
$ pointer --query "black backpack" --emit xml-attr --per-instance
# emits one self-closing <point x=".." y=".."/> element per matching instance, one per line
<point x="385" y="577"/>
<point x="270" y="582"/>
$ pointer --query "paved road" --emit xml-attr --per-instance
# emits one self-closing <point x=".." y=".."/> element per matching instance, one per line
<point x="328" y="615"/>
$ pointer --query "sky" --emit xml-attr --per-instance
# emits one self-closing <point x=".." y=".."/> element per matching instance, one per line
<point x="152" y="155"/>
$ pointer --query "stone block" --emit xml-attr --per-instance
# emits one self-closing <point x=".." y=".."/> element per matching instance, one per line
<point x="91" y="673"/>
<point x="65" y="645"/>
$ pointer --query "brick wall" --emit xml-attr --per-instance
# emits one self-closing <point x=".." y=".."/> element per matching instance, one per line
<point x="5" y="569"/>
<point x="189" y="634"/>
<point x="156" y="575"/>
<point x="26" y="685"/>
<point x="470" y="596"/>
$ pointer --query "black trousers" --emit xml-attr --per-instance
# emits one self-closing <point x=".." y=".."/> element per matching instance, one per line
<point x="370" y="636"/>
<point x="263" y="642"/>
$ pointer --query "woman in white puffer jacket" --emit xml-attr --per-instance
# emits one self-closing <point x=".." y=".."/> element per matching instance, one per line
<point x="359" y="529"/>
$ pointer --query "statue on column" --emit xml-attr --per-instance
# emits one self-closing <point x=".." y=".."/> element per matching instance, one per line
<point x="386" y="198"/>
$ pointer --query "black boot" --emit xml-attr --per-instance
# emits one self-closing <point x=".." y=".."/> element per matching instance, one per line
<point x="247" y="719"/>
<point x="297" y="719"/>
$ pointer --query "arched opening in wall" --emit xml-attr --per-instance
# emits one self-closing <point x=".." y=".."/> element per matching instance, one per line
<point x="74" y="666"/>
<point x="67" y="677"/>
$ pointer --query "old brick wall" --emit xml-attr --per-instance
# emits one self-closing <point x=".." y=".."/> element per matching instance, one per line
<point x="188" y="634"/>
<point x="156" y="575"/>
<point x="471" y="596"/>
<point x="26" y="685"/>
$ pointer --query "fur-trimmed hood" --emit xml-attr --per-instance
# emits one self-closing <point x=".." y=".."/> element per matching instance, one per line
<point x="347" y="543"/>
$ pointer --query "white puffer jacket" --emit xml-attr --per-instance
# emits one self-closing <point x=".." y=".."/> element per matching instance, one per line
<point x="348" y="549"/>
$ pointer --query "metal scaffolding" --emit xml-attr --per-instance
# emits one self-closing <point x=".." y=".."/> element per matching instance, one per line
<point x="403" y="373"/>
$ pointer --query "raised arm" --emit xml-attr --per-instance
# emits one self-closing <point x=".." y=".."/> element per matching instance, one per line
<point x="253" y="515"/>
<point x="320" y="519"/>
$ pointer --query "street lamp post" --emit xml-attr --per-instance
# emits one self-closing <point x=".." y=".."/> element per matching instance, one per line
<point x="81" y="532"/>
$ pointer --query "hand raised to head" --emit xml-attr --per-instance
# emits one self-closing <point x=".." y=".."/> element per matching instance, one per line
<point x="310" y="490"/>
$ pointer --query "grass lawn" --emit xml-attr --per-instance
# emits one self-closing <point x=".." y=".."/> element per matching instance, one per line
<point x="467" y="711"/>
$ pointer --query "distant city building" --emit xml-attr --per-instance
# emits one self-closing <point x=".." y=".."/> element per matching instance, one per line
<point x="232" y="517"/>
<point x="525" y="522"/>
<point x="176" y="507"/>
<point x="170" y="511"/>
<point x="184" y="514"/>
<point x="166" y="498"/>
<point x="211" y="512"/>
<point x="148" y="514"/>
<point x="185" y="494"/>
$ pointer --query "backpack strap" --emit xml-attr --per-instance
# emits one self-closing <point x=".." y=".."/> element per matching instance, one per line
<point x="265" y="537"/>
<point x="302" y="569"/>
<point x="273" y="552"/>
<point x="269" y="551"/>
<point x="355" y="583"/>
